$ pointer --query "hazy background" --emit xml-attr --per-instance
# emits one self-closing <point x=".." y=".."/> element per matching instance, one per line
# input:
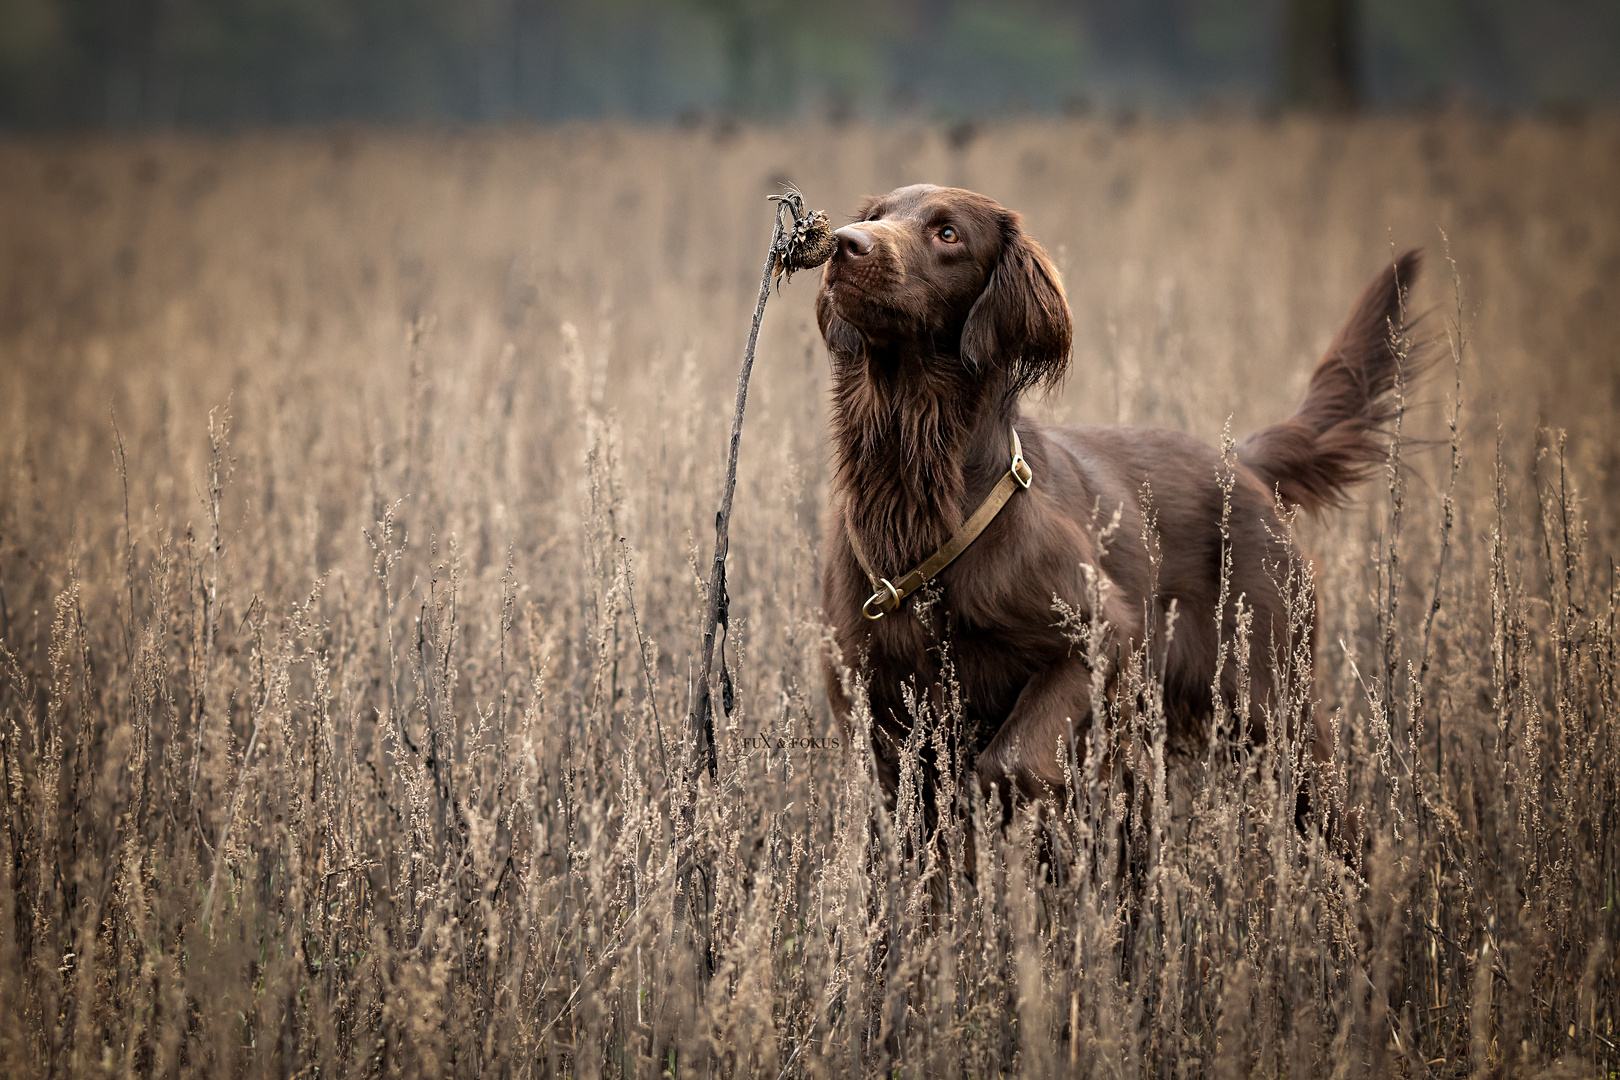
<point x="125" y="64"/>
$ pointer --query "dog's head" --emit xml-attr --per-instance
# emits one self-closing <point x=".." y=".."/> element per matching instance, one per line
<point x="950" y="274"/>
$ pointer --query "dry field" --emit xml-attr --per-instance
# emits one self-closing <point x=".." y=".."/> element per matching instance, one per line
<point x="356" y="498"/>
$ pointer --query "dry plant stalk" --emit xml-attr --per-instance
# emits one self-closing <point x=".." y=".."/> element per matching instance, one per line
<point x="804" y="244"/>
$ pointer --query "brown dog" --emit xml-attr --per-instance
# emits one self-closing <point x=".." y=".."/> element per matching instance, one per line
<point x="939" y="312"/>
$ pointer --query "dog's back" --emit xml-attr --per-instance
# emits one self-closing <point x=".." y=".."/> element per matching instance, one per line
<point x="1309" y="460"/>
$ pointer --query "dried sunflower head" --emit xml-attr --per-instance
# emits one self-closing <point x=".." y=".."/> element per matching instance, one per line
<point x="807" y="242"/>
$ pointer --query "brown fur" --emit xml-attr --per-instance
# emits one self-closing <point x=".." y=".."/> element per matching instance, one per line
<point x="1317" y="454"/>
<point x="932" y="345"/>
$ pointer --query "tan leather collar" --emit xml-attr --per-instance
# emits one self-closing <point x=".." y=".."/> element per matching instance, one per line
<point x="888" y="595"/>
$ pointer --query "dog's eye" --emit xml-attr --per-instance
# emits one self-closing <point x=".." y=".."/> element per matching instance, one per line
<point x="948" y="235"/>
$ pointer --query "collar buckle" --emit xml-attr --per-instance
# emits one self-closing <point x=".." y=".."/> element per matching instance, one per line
<point x="887" y="599"/>
<point x="888" y="596"/>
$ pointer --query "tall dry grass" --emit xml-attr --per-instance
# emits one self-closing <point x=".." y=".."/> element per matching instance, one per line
<point x="355" y="497"/>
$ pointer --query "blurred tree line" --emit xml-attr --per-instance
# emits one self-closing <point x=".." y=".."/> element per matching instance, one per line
<point x="145" y="63"/>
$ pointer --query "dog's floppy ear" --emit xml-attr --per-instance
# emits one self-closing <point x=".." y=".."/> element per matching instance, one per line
<point x="1021" y="321"/>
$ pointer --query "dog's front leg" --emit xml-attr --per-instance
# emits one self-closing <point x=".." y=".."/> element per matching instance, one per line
<point x="1027" y="754"/>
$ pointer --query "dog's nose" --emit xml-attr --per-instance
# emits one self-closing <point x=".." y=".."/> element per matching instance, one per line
<point x="852" y="242"/>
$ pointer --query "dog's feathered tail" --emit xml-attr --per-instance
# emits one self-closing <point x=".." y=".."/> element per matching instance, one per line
<point x="1332" y="442"/>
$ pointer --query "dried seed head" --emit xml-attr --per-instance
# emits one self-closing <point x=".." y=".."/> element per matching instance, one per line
<point x="810" y="243"/>
<point x="807" y="242"/>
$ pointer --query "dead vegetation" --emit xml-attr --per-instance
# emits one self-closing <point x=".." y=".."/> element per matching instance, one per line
<point x="353" y="512"/>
